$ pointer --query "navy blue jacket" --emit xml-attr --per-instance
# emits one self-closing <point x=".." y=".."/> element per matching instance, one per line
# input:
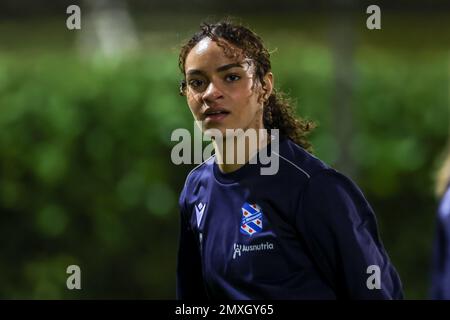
<point x="306" y="232"/>
<point x="440" y="287"/>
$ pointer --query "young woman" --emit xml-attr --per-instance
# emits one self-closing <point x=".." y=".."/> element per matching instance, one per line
<point x="440" y="286"/>
<point x="305" y="232"/>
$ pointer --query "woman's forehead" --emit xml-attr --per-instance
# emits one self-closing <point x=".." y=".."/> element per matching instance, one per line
<point x="208" y="53"/>
<point x="203" y="46"/>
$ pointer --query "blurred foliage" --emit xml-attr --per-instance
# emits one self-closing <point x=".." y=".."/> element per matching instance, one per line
<point x="86" y="176"/>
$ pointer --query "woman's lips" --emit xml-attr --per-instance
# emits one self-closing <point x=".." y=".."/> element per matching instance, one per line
<point x="216" y="117"/>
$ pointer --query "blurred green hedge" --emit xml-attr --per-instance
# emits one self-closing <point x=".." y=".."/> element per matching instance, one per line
<point x="87" y="177"/>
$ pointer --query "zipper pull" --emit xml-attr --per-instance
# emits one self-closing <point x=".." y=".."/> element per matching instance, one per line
<point x="200" y="238"/>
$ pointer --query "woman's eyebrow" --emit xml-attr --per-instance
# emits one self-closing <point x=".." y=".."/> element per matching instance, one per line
<point x="193" y="72"/>
<point x="219" y="69"/>
<point x="229" y="66"/>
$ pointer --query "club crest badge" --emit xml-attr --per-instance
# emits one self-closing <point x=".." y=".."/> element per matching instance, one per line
<point x="252" y="219"/>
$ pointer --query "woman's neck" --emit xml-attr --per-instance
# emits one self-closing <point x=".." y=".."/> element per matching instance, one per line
<point x="234" y="151"/>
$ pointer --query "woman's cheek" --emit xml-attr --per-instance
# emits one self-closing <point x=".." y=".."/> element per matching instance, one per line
<point x="197" y="97"/>
<point x="193" y="103"/>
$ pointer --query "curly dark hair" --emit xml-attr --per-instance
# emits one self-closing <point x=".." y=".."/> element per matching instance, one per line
<point x="278" y="111"/>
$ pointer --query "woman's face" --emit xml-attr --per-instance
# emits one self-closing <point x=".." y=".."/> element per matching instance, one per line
<point x="220" y="90"/>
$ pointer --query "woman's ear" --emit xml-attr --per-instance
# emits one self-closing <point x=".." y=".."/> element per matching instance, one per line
<point x="268" y="82"/>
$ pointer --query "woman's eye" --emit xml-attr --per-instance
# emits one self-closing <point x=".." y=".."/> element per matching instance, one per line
<point x="232" y="77"/>
<point x="195" y="83"/>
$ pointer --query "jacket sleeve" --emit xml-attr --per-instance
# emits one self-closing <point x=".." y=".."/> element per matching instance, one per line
<point x="340" y="230"/>
<point x="189" y="280"/>
<point x="439" y="271"/>
<point x="438" y="261"/>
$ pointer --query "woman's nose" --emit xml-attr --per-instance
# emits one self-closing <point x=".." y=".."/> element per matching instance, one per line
<point x="212" y="92"/>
